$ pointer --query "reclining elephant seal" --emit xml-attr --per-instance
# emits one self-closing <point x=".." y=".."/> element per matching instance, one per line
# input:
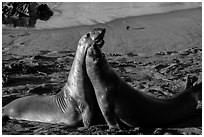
<point x="119" y="101"/>
<point x="75" y="103"/>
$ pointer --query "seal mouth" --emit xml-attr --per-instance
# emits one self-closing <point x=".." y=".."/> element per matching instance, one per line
<point x="99" y="43"/>
<point x="97" y="36"/>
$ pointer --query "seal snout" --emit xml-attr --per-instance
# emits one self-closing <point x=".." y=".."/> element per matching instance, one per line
<point x="97" y="34"/>
<point x="99" y="39"/>
<point x="102" y="32"/>
<point x="94" y="52"/>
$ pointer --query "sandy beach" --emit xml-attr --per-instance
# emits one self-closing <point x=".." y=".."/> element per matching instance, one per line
<point x="146" y="35"/>
<point x="149" y="52"/>
<point x="71" y="14"/>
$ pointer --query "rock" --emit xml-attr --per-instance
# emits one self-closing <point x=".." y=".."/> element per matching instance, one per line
<point x="189" y="51"/>
<point x="162" y="53"/>
<point x="24" y="14"/>
<point x="160" y="66"/>
<point x="44" y="12"/>
<point x="131" y="54"/>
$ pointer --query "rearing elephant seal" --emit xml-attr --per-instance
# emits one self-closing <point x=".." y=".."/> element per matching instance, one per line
<point x="119" y="101"/>
<point x="75" y="103"/>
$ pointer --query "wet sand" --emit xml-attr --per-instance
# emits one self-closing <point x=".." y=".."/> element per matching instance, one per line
<point x="144" y="35"/>
<point x="153" y="53"/>
<point x="71" y="14"/>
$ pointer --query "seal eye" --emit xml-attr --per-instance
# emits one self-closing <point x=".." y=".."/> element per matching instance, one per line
<point x="88" y="35"/>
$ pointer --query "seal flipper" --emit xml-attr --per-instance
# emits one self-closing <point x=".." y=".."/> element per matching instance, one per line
<point x="87" y="117"/>
<point x="110" y="117"/>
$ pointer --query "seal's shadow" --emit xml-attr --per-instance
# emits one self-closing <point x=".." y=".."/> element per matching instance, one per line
<point x="194" y="121"/>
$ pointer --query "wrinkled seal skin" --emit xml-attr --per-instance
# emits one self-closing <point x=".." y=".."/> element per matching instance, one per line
<point x="119" y="101"/>
<point x="76" y="102"/>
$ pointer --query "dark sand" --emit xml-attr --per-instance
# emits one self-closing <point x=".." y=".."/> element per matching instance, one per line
<point x="169" y="46"/>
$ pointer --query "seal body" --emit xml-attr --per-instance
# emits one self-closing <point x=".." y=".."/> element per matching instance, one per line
<point x="76" y="101"/>
<point x="119" y="101"/>
<point x="50" y="109"/>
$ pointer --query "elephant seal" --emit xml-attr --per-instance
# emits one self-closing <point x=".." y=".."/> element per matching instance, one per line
<point x="119" y="101"/>
<point x="76" y="102"/>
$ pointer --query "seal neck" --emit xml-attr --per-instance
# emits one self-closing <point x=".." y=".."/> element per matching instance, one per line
<point x="76" y="73"/>
<point x="77" y="63"/>
<point x="61" y="101"/>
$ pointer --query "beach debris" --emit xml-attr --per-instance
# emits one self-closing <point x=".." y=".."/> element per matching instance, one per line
<point x="18" y="68"/>
<point x="134" y="28"/>
<point x="189" y="51"/>
<point x="162" y="53"/>
<point x="40" y="57"/>
<point x="160" y="66"/>
<point x="131" y="54"/>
